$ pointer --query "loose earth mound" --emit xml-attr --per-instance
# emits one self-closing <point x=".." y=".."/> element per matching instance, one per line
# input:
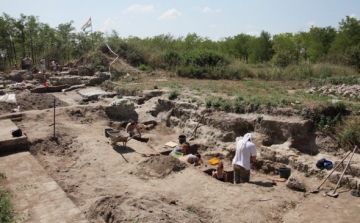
<point x="31" y="101"/>
<point x="160" y="166"/>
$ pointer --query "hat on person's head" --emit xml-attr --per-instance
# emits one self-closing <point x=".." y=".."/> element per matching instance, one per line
<point x="248" y="137"/>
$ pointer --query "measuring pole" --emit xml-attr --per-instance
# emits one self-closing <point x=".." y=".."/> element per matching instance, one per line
<point x="54" y="118"/>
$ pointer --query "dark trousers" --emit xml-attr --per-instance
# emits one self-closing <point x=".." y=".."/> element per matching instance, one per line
<point x="241" y="175"/>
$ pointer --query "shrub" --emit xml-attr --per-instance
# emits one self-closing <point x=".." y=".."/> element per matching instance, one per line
<point x="349" y="134"/>
<point x="173" y="94"/>
<point x="305" y="71"/>
<point x="134" y="56"/>
<point x="171" y="59"/>
<point x="328" y="116"/>
<point x="192" y="71"/>
<point x="208" y="102"/>
<point x="239" y="107"/>
<point x="115" y="75"/>
<point x="142" y="67"/>
<point x="225" y="105"/>
<point x="204" y="58"/>
<point x="324" y="72"/>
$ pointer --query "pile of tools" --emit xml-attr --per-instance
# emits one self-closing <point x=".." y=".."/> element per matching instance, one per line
<point x="334" y="193"/>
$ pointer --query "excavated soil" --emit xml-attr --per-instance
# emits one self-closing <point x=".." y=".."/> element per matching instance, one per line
<point x="160" y="166"/>
<point x="31" y="101"/>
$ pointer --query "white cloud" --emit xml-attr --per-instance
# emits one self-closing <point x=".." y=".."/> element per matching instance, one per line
<point x="249" y="26"/>
<point x="108" y="23"/>
<point x="170" y="14"/>
<point x="219" y="38"/>
<point x="140" y="8"/>
<point x="252" y="33"/>
<point x="352" y="15"/>
<point x="310" y="24"/>
<point x="209" y="10"/>
<point x="212" y="26"/>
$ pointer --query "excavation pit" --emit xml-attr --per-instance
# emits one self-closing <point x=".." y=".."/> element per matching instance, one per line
<point x="230" y="174"/>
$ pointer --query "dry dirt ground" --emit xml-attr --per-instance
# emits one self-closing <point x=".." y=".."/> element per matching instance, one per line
<point x="116" y="184"/>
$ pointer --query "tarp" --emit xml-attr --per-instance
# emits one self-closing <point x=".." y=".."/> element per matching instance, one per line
<point x="8" y="98"/>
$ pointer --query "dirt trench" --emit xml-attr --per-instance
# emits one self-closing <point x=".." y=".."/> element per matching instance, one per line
<point x="124" y="184"/>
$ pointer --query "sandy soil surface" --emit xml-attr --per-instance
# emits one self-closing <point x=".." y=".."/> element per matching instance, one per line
<point x="117" y="184"/>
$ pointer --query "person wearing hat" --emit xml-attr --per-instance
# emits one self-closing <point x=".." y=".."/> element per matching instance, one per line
<point x="244" y="155"/>
<point x="42" y="65"/>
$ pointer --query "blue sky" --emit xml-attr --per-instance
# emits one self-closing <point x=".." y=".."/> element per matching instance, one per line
<point x="214" y="19"/>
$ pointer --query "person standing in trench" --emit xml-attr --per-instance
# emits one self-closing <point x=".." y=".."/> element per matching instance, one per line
<point x="244" y="155"/>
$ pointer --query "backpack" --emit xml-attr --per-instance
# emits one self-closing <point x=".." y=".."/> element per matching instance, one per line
<point x="324" y="164"/>
<point x="16" y="133"/>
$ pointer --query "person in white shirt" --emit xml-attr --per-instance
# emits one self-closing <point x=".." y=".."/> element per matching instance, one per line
<point x="42" y="65"/>
<point x="244" y="155"/>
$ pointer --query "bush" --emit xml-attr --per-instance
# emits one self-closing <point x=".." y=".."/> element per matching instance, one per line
<point x="208" y="102"/>
<point x="142" y="67"/>
<point x="325" y="118"/>
<point x="239" y="107"/>
<point x="171" y="59"/>
<point x="192" y="71"/>
<point x="115" y="75"/>
<point x="134" y="57"/>
<point x="204" y="58"/>
<point x="173" y="94"/>
<point x="348" y="135"/>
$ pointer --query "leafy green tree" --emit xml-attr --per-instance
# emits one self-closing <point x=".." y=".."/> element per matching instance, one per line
<point x="66" y="39"/>
<point x="261" y="48"/>
<point x="242" y="46"/>
<point x="320" y="40"/>
<point x="285" y="49"/>
<point x="348" y="34"/>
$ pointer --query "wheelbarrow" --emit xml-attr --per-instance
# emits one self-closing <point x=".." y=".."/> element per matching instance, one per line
<point x="116" y="136"/>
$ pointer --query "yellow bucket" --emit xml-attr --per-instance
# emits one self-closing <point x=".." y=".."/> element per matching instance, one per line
<point x="213" y="161"/>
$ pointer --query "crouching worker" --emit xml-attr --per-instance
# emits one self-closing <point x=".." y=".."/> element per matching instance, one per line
<point x="131" y="127"/>
<point x="180" y="148"/>
<point x="245" y="153"/>
<point x="220" y="174"/>
<point x="193" y="159"/>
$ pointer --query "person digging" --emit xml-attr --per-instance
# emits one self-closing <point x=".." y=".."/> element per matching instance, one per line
<point x="244" y="155"/>
<point x="131" y="127"/>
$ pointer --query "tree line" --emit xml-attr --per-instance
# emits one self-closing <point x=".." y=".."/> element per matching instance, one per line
<point x="191" y="55"/>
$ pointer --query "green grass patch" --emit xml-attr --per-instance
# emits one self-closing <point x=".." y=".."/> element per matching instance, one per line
<point x="6" y="208"/>
<point x="191" y="208"/>
<point x="173" y="94"/>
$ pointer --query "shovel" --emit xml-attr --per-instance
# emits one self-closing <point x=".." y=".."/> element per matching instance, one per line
<point x="318" y="188"/>
<point x="334" y="194"/>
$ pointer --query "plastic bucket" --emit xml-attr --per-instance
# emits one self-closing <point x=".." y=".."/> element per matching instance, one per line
<point x="182" y="139"/>
<point x="284" y="172"/>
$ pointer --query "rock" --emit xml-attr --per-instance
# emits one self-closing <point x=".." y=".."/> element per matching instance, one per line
<point x="85" y="71"/>
<point x="122" y="110"/>
<point x="69" y="80"/>
<point x="73" y="72"/>
<point x="16" y="75"/>
<point x="294" y="183"/>
<point x="99" y="79"/>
